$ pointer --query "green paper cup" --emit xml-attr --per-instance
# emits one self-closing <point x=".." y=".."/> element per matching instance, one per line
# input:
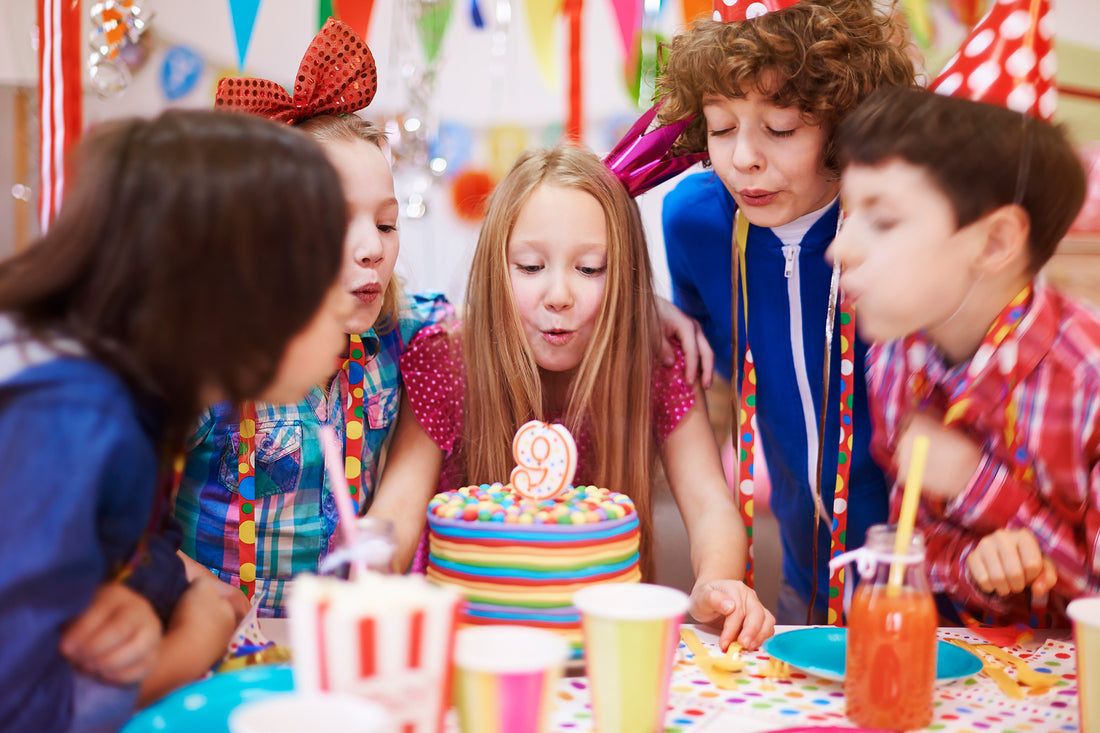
<point x="631" y="631"/>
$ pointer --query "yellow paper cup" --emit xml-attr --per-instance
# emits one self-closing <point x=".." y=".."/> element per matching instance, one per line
<point x="1085" y="613"/>
<point x="505" y="678"/>
<point x="631" y="631"/>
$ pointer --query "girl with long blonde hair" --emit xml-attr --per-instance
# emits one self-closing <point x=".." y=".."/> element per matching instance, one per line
<point x="559" y="326"/>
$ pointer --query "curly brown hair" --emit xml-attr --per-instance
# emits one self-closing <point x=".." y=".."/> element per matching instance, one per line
<point x="828" y="55"/>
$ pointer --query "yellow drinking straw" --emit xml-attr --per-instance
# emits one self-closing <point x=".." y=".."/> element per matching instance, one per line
<point x="908" y="516"/>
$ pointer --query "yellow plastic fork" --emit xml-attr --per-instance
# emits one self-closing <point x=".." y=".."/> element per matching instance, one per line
<point x="1025" y="675"/>
<point x="723" y="679"/>
<point x="994" y="672"/>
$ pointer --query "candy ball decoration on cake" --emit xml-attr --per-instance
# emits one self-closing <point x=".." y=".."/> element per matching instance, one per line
<point x="520" y="560"/>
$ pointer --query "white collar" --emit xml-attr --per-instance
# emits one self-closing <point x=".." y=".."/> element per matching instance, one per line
<point x="793" y="231"/>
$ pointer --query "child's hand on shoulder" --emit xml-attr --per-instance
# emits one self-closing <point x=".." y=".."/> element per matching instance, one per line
<point x="732" y="606"/>
<point x="673" y="323"/>
<point x="953" y="455"/>
<point x="116" y="638"/>
<point x="1008" y="561"/>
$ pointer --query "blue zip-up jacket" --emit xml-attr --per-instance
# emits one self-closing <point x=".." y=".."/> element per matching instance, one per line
<point x="788" y="297"/>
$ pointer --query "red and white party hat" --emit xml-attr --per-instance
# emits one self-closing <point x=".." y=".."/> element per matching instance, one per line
<point x="1007" y="60"/>
<point x="729" y="11"/>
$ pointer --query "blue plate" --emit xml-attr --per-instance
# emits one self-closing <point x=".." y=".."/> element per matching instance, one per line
<point x="821" y="651"/>
<point x="205" y="706"/>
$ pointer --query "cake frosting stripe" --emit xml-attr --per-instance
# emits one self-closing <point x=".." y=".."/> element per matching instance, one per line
<point x="517" y="555"/>
<point x="520" y="560"/>
<point x="535" y="575"/>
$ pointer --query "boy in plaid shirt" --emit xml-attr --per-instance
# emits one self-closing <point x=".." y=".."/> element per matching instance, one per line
<point x="953" y="206"/>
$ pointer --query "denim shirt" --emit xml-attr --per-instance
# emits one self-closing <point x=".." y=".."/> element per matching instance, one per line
<point x="295" y="511"/>
<point x="78" y="470"/>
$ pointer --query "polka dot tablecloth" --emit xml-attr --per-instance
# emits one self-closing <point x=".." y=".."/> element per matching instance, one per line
<point x="971" y="705"/>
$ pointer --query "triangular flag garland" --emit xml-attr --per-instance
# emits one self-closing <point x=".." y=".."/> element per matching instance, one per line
<point x="431" y="24"/>
<point x="1007" y="60"/>
<point x="325" y="10"/>
<point x="242" y="14"/>
<point x="542" y="26"/>
<point x="356" y="13"/>
<point x="919" y="16"/>
<point x="628" y="20"/>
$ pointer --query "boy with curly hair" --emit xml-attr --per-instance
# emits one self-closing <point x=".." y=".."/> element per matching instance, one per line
<point x="766" y="95"/>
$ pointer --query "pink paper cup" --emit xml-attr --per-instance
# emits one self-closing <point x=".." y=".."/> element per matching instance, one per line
<point x="631" y="631"/>
<point x="1085" y="613"/>
<point x="505" y="677"/>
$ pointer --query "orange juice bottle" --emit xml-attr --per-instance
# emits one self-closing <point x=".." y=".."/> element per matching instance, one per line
<point x="891" y="660"/>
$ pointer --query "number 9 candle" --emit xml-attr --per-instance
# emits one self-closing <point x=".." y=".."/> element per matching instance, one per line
<point x="546" y="459"/>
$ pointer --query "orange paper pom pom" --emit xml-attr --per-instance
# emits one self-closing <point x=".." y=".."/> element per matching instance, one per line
<point x="470" y="194"/>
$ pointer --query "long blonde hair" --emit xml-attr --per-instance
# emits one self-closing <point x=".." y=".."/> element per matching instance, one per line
<point x="609" y="397"/>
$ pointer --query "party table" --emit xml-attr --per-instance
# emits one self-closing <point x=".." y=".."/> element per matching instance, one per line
<point x="973" y="704"/>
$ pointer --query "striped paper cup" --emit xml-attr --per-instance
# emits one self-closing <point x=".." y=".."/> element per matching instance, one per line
<point x="631" y="631"/>
<point x="505" y="678"/>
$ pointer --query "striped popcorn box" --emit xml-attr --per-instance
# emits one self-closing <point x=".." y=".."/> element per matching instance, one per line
<point x="387" y="638"/>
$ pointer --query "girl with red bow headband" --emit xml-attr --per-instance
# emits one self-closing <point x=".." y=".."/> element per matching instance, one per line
<point x="254" y="499"/>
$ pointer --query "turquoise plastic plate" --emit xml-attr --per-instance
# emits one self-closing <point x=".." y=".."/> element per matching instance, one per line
<point x="821" y="651"/>
<point x="205" y="706"/>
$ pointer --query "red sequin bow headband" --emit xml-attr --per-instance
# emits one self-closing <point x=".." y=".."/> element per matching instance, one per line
<point x="337" y="76"/>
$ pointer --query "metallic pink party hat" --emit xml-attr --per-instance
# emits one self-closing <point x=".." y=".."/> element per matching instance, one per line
<point x="640" y="159"/>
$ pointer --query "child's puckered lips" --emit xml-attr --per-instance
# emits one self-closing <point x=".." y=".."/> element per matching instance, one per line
<point x="757" y="196"/>
<point x="367" y="293"/>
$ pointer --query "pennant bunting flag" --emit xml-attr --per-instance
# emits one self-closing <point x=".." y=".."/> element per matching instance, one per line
<point x="243" y="14"/>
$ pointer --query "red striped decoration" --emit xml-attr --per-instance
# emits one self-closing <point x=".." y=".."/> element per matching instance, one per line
<point x="322" y="658"/>
<point x="59" y="99"/>
<point x="367" y="666"/>
<point x="416" y="638"/>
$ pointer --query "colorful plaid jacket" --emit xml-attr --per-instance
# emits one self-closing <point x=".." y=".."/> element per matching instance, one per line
<point x="295" y="511"/>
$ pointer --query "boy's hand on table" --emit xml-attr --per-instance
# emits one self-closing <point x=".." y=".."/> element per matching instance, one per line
<point x="734" y="608"/>
<point x="953" y="455"/>
<point x="116" y="638"/>
<point x="1008" y="561"/>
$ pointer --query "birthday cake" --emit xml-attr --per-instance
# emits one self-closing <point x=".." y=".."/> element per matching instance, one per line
<point x="519" y="560"/>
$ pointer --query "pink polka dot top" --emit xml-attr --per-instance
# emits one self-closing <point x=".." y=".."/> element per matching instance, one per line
<point x="435" y="380"/>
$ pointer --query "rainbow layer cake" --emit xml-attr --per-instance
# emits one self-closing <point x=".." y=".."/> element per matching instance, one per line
<point x="518" y="560"/>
